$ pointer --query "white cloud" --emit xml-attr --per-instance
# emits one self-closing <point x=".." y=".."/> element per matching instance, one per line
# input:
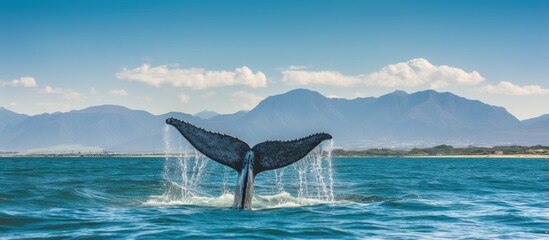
<point x="197" y="78"/>
<point x="93" y="91"/>
<point x="21" y="82"/>
<point x="119" y="92"/>
<point x="508" y="88"/>
<point x="54" y="106"/>
<point x="333" y="78"/>
<point x="415" y="72"/>
<point x="247" y="100"/>
<point x="12" y="104"/>
<point x="67" y="93"/>
<point x="419" y="72"/>
<point x="296" y="67"/>
<point x="184" y="98"/>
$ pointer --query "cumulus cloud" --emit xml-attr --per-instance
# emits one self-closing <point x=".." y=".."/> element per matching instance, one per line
<point x="119" y="92"/>
<point x="508" y="88"/>
<point x="333" y="78"/>
<point x="197" y="78"/>
<point x="416" y="72"/>
<point x="247" y="100"/>
<point x="54" y="106"/>
<point x="419" y="72"/>
<point x="66" y="93"/>
<point x="296" y="67"/>
<point x="21" y="82"/>
<point x="184" y="98"/>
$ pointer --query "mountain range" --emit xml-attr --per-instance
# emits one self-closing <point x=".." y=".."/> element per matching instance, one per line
<point x="397" y="119"/>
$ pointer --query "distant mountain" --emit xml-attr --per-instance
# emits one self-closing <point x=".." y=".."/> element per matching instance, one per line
<point x="107" y="126"/>
<point x="8" y="117"/>
<point x="534" y="128"/>
<point x="541" y="121"/>
<point x="285" y="116"/>
<point x="431" y="117"/>
<point x="229" y="117"/>
<point x="397" y="119"/>
<point x="206" y="114"/>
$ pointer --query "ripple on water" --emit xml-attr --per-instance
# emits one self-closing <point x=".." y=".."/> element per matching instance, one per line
<point x="385" y="198"/>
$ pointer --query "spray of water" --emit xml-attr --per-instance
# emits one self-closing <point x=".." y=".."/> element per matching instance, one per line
<point x="309" y="181"/>
<point x="225" y="181"/>
<point x="184" y="168"/>
<point x="279" y="175"/>
<point x="315" y="174"/>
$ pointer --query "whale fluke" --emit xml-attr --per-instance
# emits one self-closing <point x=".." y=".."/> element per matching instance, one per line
<point x="248" y="162"/>
<point x="278" y="154"/>
<point x="221" y="148"/>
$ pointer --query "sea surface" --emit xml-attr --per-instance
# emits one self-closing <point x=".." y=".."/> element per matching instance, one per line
<point x="191" y="197"/>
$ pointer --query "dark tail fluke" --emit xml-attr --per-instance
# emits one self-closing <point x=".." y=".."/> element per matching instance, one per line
<point x="278" y="154"/>
<point x="231" y="151"/>
<point x="221" y="148"/>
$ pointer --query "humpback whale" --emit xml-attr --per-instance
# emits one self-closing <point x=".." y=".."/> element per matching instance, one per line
<point x="248" y="162"/>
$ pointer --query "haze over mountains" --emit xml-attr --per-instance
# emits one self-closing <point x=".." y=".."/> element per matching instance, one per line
<point x="397" y="119"/>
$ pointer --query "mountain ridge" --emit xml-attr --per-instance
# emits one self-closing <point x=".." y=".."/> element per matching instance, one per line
<point x="397" y="119"/>
<point x="8" y="117"/>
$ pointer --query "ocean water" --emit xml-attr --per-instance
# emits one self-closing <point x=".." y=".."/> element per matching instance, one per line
<point x="396" y="198"/>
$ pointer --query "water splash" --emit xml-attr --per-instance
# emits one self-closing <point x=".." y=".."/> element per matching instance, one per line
<point x="184" y="168"/>
<point x="309" y="181"/>
<point x="279" y="174"/>
<point x="226" y="173"/>
<point x="315" y="174"/>
<point x="329" y="149"/>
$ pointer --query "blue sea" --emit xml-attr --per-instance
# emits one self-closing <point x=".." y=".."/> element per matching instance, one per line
<point x="190" y="197"/>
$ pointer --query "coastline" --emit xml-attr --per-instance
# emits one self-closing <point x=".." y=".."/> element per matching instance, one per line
<point x="484" y="156"/>
<point x="452" y="156"/>
<point x="135" y="155"/>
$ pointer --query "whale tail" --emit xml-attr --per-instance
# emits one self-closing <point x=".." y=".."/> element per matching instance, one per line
<point x="221" y="148"/>
<point x="278" y="154"/>
<point x="231" y="151"/>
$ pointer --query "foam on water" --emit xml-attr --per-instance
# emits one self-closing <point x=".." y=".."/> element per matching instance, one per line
<point x="279" y="200"/>
<point x="307" y="182"/>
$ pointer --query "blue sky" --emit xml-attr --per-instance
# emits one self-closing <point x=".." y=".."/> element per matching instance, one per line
<point x="226" y="56"/>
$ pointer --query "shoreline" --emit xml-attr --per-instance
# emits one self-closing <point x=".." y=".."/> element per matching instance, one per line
<point x="452" y="156"/>
<point x="483" y="156"/>
<point x="132" y="155"/>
